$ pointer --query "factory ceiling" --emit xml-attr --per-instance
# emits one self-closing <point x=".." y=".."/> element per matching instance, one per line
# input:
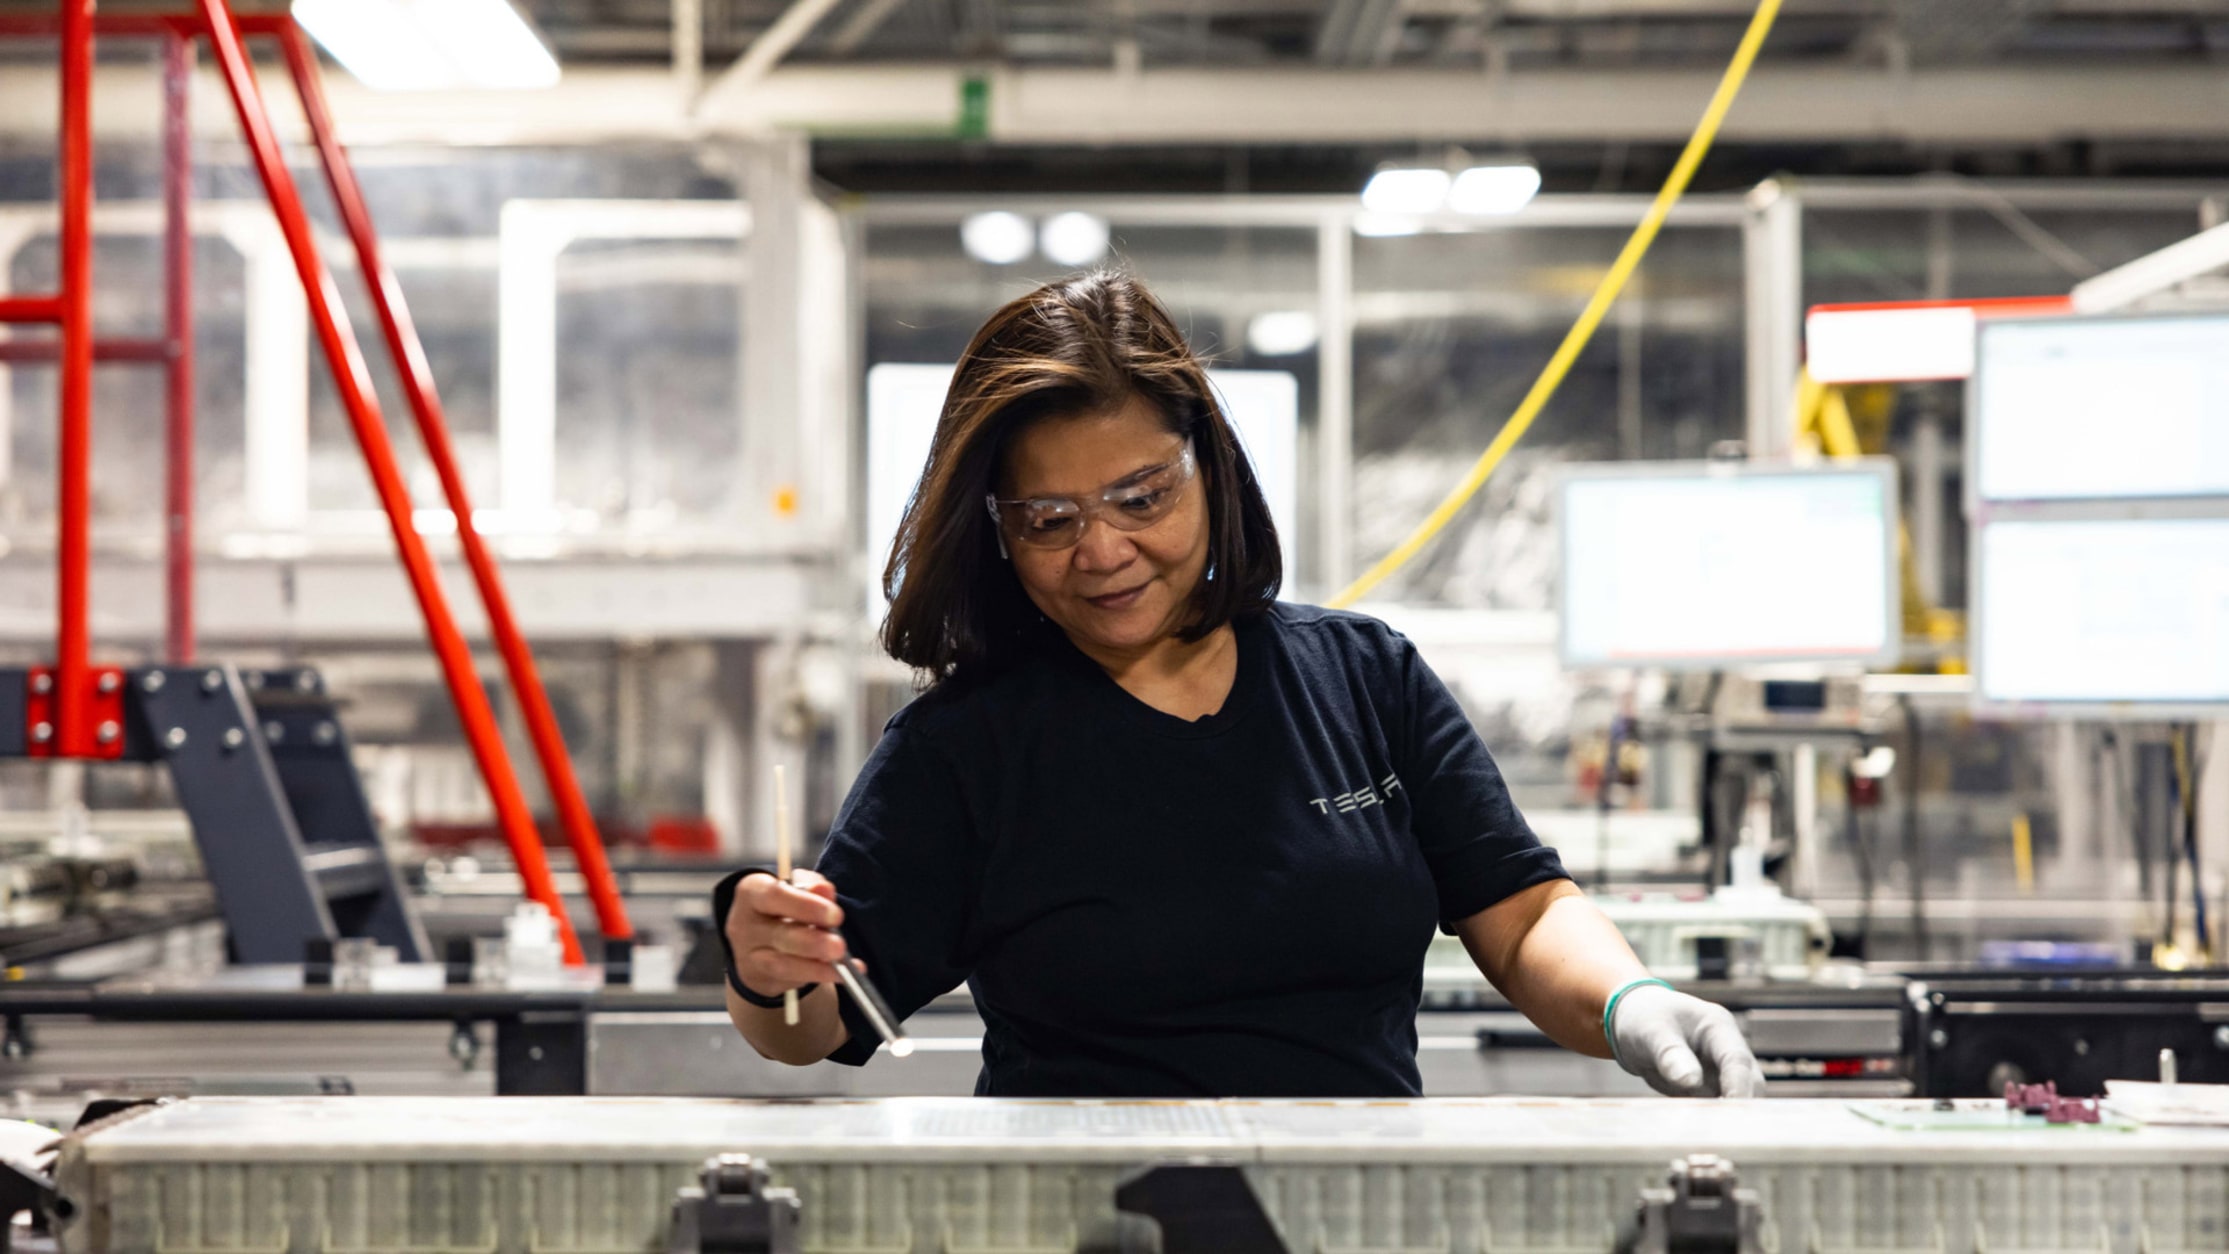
<point x="1308" y="94"/>
<point x="1386" y="33"/>
<point x="1373" y="33"/>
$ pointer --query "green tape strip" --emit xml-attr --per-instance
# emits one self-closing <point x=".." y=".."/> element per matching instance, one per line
<point x="1612" y="1009"/>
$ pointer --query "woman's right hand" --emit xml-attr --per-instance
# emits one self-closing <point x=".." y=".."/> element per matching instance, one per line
<point x="783" y="935"/>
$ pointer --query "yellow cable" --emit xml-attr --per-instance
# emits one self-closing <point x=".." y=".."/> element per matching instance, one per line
<point x="1590" y="318"/>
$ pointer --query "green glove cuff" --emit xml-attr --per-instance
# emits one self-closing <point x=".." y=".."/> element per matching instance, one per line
<point x="1612" y="1009"/>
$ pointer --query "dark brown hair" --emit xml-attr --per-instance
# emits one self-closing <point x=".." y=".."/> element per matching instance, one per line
<point x="1082" y="346"/>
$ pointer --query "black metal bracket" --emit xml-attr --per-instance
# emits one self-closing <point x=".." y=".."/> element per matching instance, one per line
<point x="1202" y="1208"/>
<point x="23" y="1189"/>
<point x="1702" y="1209"/>
<point x="541" y="1053"/>
<point x="734" y="1210"/>
<point x="261" y="767"/>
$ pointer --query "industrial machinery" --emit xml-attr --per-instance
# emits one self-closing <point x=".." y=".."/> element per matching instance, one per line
<point x="216" y="1175"/>
<point x="285" y="835"/>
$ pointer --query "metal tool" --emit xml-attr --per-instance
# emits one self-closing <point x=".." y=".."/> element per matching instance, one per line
<point x="870" y="1001"/>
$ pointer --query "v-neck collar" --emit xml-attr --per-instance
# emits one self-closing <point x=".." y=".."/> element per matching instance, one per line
<point x="1247" y="637"/>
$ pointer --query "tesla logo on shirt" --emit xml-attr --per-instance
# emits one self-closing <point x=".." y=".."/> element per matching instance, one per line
<point x="1360" y="799"/>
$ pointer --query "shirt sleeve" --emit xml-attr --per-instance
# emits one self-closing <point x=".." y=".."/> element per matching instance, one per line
<point x="906" y="862"/>
<point x="1478" y="846"/>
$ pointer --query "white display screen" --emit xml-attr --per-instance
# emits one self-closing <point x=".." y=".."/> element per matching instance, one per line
<point x="2072" y="409"/>
<point x="1707" y="566"/>
<point x="2121" y="611"/>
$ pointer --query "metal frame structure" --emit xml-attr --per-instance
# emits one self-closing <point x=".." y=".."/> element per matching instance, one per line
<point x="67" y="712"/>
<point x="1332" y="218"/>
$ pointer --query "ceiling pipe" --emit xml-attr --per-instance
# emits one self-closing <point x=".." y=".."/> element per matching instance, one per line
<point x="862" y="26"/>
<point x="766" y="52"/>
<point x="688" y="51"/>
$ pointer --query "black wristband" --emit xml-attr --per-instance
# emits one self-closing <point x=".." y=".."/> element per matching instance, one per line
<point x="723" y="901"/>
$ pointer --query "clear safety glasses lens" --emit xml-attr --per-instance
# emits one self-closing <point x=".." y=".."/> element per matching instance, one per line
<point x="1057" y="522"/>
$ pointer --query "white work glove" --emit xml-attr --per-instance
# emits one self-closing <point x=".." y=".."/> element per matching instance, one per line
<point x="1683" y="1046"/>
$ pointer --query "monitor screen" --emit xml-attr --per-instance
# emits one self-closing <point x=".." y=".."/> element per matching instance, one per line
<point x="2090" y="408"/>
<point x="2102" y="612"/>
<point x="1693" y="565"/>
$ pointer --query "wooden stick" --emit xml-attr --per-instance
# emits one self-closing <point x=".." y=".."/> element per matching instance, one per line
<point x="782" y="867"/>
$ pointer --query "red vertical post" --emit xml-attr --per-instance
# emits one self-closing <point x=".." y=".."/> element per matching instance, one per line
<point x="178" y="424"/>
<point x="73" y="734"/>
<point x="352" y="380"/>
<point x="433" y="429"/>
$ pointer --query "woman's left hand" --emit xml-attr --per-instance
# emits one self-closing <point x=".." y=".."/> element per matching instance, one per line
<point x="1683" y="1046"/>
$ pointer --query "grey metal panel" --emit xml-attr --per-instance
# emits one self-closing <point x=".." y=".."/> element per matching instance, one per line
<point x="365" y="599"/>
<point x="1824" y="1033"/>
<point x="699" y="1054"/>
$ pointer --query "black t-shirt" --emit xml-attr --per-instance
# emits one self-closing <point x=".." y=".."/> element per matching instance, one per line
<point x="1145" y="906"/>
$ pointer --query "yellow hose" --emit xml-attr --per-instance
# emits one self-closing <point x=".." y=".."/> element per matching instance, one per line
<point x="1629" y="260"/>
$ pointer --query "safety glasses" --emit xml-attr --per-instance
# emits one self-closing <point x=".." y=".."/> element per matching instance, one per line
<point x="1133" y="504"/>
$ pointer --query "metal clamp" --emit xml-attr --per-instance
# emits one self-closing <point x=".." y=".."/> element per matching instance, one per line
<point x="734" y="1211"/>
<point x="1702" y="1210"/>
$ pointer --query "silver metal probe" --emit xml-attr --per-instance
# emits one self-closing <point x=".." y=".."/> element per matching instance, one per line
<point x="876" y="1009"/>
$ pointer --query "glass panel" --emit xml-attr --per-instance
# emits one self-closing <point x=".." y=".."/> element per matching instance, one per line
<point x="648" y="415"/>
<point x="925" y="298"/>
<point x="1451" y="330"/>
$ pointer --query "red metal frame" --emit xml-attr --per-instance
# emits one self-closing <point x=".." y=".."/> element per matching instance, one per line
<point x="409" y="356"/>
<point x="73" y="734"/>
<point x="30" y="309"/>
<point x="46" y="352"/>
<point x="178" y="389"/>
<point x="71" y="701"/>
<point x="353" y="381"/>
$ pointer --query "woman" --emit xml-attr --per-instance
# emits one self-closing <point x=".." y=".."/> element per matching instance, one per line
<point x="1180" y="839"/>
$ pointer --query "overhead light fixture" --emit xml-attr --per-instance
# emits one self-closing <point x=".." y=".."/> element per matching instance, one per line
<point x="1385" y="225"/>
<point x="1406" y="189"/>
<point x="430" y="45"/>
<point x="1281" y="332"/>
<point x="1495" y="187"/>
<point x="998" y="238"/>
<point x="1074" y="239"/>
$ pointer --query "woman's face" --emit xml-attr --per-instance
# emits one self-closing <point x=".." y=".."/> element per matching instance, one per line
<point x="1112" y="590"/>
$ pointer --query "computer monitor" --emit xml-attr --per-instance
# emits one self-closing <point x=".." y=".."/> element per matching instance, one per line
<point x="2092" y="408"/>
<point x="2104" y="617"/>
<point x="1711" y="565"/>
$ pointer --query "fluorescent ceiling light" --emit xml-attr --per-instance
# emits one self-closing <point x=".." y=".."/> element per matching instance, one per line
<point x="1410" y="189"/>
<point x="1074" y="239"/>
<point x="998" y="238"/>
<point x="1384" y="225"/>
<point x="430" y="45"/>
<point x="1504" y="187"/>
<point x="1281" y="332"/>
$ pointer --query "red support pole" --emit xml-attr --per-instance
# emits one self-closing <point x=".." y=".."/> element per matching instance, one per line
<point x="433" y="429"/>
<point x="73" y="733"/>
<point x="178" y="394"/>
<point x="353" y="381"/>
